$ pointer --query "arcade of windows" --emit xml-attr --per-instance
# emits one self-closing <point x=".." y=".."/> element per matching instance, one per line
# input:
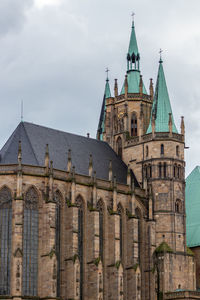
<point x="162" y="171"/>
<point x="30" y="241"/>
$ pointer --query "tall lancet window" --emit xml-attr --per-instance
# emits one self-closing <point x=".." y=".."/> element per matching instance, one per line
<point x="120" y="211"/>
<point x="5" y="239"/>
<point x="119" y="146"/>
<point x="139" y="216"/>
<point x="79" y="202"/>
<point x="101" y="231"/>
<point x="30" y="243"/>
<point x="57" y="198"/>
<point x="133" y="125"/>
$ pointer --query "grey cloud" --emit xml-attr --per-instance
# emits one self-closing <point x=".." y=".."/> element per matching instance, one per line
<point x="12" y="14"/>
<point x="56" y="64"/>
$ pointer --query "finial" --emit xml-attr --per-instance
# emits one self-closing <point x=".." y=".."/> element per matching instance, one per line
<point x="90" y="165"/>
<point x="151" y="88"/>
<point x="160" y="61"/>
<point x="19" y="152"/>
<point x="116" y="88"/>
<point x="46" y="162"/>
<point x="133" y="17"/>
<point x="69" y="161"/>
<point x="47" y="149"/>
<point x="107" y="70"/>
<point x="51" y="167"/>
<point x="110" y="175"/>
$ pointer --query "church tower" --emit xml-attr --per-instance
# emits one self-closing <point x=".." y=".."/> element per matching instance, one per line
<point x="127" y="114"/>
<point x="140" y="128"/>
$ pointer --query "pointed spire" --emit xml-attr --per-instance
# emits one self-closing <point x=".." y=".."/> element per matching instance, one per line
<point x="116" y="88"/>
<point x="107" y="89"/>
<point x="151" y="88"/>
<point x="182" y="126"/>
<point x="161" y="105"/>
<point x="110" y="176"/>
<point x="90" y="165"/>
<point x="133" y="56"/>
<point x="46" y="161"/>
<point x="107" y="94"/>
<point x="69" y="161"/>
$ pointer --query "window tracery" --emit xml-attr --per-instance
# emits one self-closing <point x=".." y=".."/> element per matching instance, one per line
<point x="5" y="239"/>
<point x="30" y="243"/>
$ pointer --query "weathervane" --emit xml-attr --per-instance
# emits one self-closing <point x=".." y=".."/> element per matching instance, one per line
<point x="107" y="70"/>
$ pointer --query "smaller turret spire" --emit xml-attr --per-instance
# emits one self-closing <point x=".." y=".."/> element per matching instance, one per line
<point x="107" y="94"/>
<point x="161" y="105"/>
<point x="133" y="57"/>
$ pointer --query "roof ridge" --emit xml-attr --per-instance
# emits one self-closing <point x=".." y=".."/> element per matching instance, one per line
<point x="58" y="130"/>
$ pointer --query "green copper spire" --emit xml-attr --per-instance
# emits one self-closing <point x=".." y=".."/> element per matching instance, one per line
<point x="133" y="56"/>
<point x="107" y="89"/>
<point x="133" y="66"/>
<point x="161" y="105"/>
<point x="107" y="94"/>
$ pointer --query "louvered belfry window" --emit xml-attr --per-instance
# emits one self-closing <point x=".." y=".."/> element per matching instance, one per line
<point x="5" y="239"/>
<point x="30" y="243"/>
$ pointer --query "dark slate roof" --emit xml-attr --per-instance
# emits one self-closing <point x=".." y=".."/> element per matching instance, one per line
<point x="35" y="137"/>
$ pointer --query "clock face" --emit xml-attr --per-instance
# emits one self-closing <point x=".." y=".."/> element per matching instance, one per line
<point x="120" y="114"/>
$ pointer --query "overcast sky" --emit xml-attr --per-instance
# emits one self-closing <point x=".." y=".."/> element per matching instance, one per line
<point x="53" y="56"/>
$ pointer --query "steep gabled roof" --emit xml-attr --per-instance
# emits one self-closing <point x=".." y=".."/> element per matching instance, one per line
<point x="35" y="137"/>
<point x="161" y="105"/>
<point x="192" y="203"/>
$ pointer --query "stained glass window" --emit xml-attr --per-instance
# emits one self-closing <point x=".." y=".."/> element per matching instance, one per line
<point x="101" y="233"/>
<point x="30" y="243"/>
<point x="80" y="242"/>
<point x="5" y="239"/>
<point x="58" y="204"/>
<point x="120" y="209"/>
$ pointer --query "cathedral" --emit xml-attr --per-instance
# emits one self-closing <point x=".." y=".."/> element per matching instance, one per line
<point x="104" y="218"/>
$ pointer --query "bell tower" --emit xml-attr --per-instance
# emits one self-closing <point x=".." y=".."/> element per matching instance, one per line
<point x="140" y="127"/>
<point x="126" y="115"/>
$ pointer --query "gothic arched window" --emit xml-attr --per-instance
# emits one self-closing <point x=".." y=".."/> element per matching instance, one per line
<point x="165" y="170"/>
<point x="30" y="243"/>
<point x="134" y="125"/>
<point x="101" y="231"/>
<point x="178" y="206"/>
<point x="159" y="170"/>
<point x="162" y="149"/>
<point x="119" y="146"/>
<point x="79" y="202"/>
<point x="120" y="211"/>
<point x="5" y="239"/>
<point x="57" y="198"/>
<point x="139" y="216"/>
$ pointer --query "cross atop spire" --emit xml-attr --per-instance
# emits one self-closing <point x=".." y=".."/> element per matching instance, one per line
<point x="160" y="61"/>
<point x="107" y="70"/>
<point x="133" y="16"/>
